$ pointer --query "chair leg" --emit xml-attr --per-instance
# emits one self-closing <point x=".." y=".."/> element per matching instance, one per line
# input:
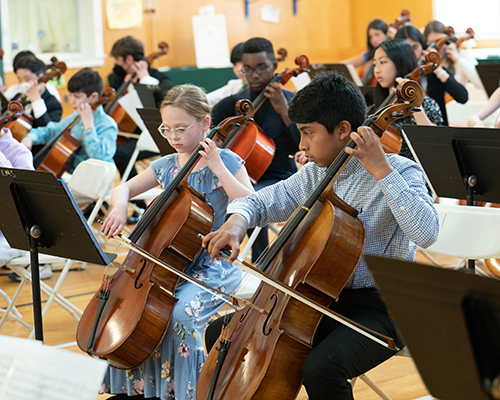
<point x="374" y="387"/>
<point x="11" y="310"/>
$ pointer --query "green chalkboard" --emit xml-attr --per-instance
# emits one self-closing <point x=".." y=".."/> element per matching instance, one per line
<point x="207" y="78"/>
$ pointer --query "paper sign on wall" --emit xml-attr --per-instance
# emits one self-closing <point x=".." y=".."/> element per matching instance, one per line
<point x="210" y="41"/>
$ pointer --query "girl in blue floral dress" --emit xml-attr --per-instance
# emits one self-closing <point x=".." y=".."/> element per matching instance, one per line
<point x="220" y="176"/>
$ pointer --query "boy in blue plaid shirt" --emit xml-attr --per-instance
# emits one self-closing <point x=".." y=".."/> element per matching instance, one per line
<point x="392" y="201"/>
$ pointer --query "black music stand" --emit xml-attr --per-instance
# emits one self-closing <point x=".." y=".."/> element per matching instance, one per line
<point x="39" y="211"/>
<point x="152" y="120"/>
<point x="450" y="322"/>
<point x="490" y="76"/>
<point x="151" y="95"/>
<point x="460" y="163"/>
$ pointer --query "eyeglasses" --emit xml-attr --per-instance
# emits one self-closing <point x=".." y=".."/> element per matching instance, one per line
<point x="179" y="132"/>
<point x="259" y="69"/>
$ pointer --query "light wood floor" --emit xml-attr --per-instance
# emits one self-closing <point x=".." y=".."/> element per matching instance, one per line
<point x="398" y="377"/>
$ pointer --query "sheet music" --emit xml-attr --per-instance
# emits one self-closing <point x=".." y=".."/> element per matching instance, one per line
<point x="30" y="370"/>
<point x="130" y="103"/>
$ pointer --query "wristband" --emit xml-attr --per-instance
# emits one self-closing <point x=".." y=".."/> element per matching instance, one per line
<point x="441" y="73"/>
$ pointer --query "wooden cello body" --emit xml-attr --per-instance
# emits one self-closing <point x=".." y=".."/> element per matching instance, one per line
<point x="316" y="252"/>
<point x="266" y="363"/>
<point x="256" y="148"/>
<point x="140" y="304"/>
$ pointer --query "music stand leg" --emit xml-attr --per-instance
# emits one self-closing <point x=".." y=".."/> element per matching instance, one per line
<point x="471" y="264"/>
<point x="35" y="233"/>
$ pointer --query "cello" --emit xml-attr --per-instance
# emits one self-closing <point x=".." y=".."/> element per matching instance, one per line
<point x="266" y="354"/>
<point x="122" y="119"/>
<point x="64" y="146"/>
<point x="391" y="139"/>
<point x="20" y="127"/>
<point x="250" y="142"/>
<point x="129" y="315"/>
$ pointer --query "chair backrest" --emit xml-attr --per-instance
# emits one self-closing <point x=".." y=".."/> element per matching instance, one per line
<point x="459" y="114"/>
<point x="93" y="178"/>
<point x="468" y="232"/>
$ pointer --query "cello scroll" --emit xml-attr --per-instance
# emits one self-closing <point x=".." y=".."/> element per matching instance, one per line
<point x="16" y="111"/>
<point x="433" y="60"/>
<point x="410" y="96"/>
<point x="303" y="66"/>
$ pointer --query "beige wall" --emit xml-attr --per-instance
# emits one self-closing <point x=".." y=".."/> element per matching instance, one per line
<point x="324" y="30"/>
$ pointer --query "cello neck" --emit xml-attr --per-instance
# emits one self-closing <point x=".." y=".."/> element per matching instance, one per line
<point x="261" y="98"/>
<point x="110" y="107"/>
<point x="166" y="195"/>
<point x="330" y="176"/>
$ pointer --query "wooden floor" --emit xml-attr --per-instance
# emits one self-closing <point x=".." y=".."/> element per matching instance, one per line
<point x="397" y="377"/>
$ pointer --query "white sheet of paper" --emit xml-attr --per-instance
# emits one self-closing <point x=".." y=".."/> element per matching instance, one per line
<point x="270" y="14"/>
<point x="130" y="103"/>
<point x="210" y="41"/>
<point x="301" y="80"/>
<point x="30" y="370"/>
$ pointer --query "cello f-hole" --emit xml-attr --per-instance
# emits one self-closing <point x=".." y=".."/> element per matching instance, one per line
<point x="136" y="283"/>
<point x="244" y="315"/>
<point x="275" y="298"/>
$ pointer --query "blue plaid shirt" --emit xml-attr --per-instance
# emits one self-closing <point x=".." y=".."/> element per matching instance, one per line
<point x="397" y="211"/>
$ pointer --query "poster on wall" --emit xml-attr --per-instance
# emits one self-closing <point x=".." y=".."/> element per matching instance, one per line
<point x="124" y="14"/>
<point x="210" y="41"/>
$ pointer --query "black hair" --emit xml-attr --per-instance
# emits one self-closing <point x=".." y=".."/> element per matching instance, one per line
<point x="258" y="45"/>
<point x="87" y="81"/>
<point x="237" y="53"/>
<point x="411" y="32"/>
<point x="402" y="55"/>
<point x="30" y="62"/>
<point x="329" y="99"/>
<point x="128" y="45"/>
<point x="21" y="54"/>
<point x="378" y="24"/>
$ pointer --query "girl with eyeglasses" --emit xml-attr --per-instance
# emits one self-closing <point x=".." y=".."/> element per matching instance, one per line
<point x="220" y="176"/>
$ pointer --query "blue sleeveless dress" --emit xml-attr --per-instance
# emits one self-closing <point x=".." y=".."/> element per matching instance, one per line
<point x="172" y="371"/>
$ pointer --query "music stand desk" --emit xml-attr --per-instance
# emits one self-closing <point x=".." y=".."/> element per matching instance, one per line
<point x="38" y="203"/>
<point x="432" y="146"/>
<point x="152" y="120"/>
<point x="446" y="333"/>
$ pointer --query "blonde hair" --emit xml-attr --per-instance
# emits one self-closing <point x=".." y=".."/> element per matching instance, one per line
<point x="190" y="98"/>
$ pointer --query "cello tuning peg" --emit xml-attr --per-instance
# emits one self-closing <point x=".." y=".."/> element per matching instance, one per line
<point x="397" y="114"/>
<point x="414" y="109"/>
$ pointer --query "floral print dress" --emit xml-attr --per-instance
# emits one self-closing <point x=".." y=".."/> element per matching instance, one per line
<point x="173" y="369"/>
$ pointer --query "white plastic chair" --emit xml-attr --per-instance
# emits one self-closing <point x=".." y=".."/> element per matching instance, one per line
<point x="92" y="181"/>
<point x="467" y="233"/>
<point x="459" y="114"/>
